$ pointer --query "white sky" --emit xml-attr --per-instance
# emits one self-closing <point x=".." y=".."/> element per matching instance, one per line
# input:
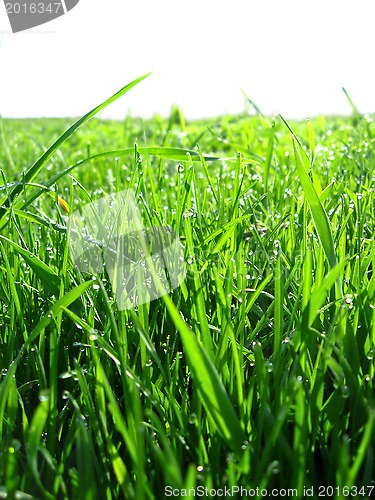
<point x="289" y="56"/>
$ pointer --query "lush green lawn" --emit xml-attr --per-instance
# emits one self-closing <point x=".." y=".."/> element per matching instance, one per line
<point x="257" y="371"/>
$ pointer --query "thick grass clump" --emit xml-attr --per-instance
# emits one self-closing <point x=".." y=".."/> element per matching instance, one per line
<point x="257" y="372"/>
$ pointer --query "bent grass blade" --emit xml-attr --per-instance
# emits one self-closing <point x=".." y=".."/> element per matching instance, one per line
<point x="41" y="162"/>
<point x="320" y="218"/>
<point x="177" y="154"/>
<point x="46" y="275"/>
<point x="208" y="383"/>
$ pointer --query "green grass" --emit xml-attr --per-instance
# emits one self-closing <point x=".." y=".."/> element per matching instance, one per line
<point x="258" y="371"/>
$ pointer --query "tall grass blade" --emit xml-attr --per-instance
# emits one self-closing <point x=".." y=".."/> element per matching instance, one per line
<point x="46" y="275"/>
<point x="318" y="213"/>
<point x="41" y="162"/>
<point x="208" y="383"/>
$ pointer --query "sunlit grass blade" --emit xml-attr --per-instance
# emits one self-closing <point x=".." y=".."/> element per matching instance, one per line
<point x="355" y="111"/>
<point x="269" y="156"/>
<point x="41" y="162"/>
<point x="46" y="275"/>
<point x="319" y="294"/>
<point x="279" y="312"/>
<point x="199" y="308"/>
<point x="35" y="432"/>
<point x="86" y="473"/>
<point x="238" y="148"/>
<point x="177" y="154"/>
<point x="368" y="437"/>
<point x="318" y="213"/>
<point x="256" y="108"/>
<point x="65" y="301"/>
<point x="208" y="383"/>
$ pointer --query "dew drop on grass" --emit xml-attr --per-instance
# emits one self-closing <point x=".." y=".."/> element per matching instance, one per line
<point x="44" y="396"/>
<point x="192" y="418"/>
<point x="345" y="391"/>
<point x="349" y="301"/>
<point x="276" y="468"/>
<point x="269" y="367"/>
<point x="244" y="445"/>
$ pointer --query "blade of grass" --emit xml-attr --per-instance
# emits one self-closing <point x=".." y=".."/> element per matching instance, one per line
<point x="318" y="213"/>
<point x="46" y="275"/>
<point x="41" y="162"/>
<point x="319" y="295"/>
<point x="355" y="111"/>
<point x="208" y="383"/>
<point x="368" y="436"/>
<point x="176" y="154"/>
<point x="269" y="156"/>
<point x="35" y="432"/>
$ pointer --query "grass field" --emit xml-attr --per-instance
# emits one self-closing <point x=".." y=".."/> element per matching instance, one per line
<point x="257" y="372"/>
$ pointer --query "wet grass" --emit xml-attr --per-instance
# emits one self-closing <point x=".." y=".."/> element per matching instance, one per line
<point x="257" y="372"/>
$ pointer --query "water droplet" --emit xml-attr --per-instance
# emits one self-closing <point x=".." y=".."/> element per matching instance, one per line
<point x="192" y="418"/>
<point x="345" y="391"/>
<point x="44" y="395"/>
